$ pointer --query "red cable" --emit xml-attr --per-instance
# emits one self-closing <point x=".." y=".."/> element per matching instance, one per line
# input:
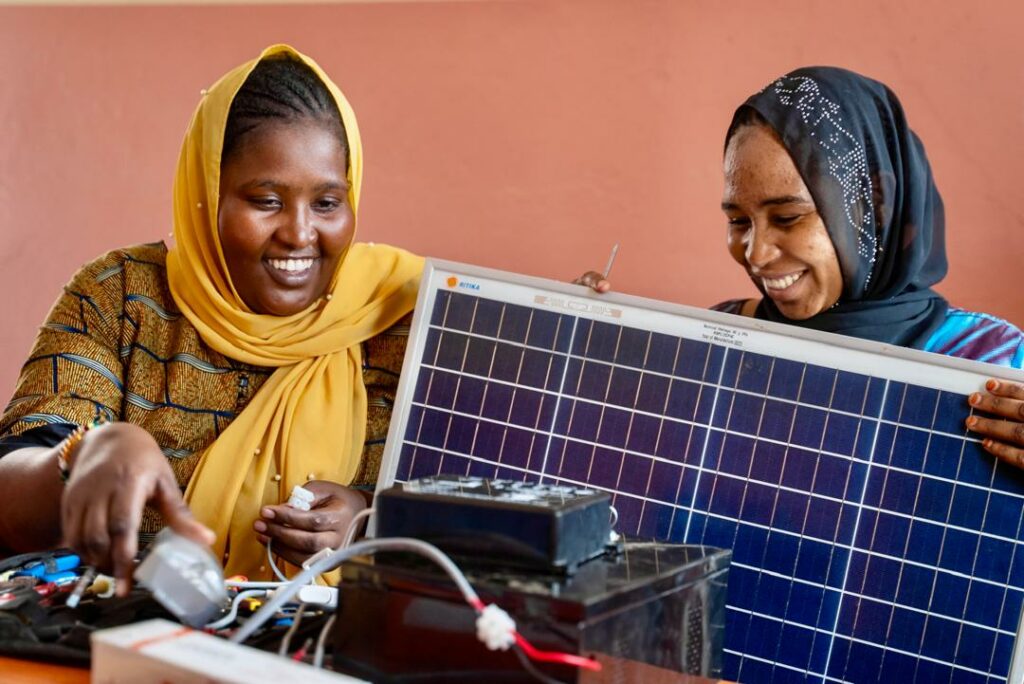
<point x="545" y="656"/>
<point x="301" y="653"/>
<point x="554" y="657"/>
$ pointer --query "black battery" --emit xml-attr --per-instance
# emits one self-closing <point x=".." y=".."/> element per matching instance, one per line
<point x="550" y="527"/>
<point x="400" y="619"/>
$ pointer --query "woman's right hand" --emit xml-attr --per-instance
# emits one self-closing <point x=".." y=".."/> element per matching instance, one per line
<point x="594" y="280"/>
<point x="116" y="470"/>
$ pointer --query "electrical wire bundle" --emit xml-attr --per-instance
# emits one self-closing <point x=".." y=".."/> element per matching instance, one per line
<point x="495" y="627"/>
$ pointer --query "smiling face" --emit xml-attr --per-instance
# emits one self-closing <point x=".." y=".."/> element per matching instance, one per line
<point x="284" y="218"/>
<point x="774" y="229"/>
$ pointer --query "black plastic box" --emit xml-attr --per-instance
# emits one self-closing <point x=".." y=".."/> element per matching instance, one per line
<point x="545" y="527"/>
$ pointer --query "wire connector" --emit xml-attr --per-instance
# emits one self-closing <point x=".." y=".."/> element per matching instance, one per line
<point x="300" y="498"/>
<point x="495" y="628"/>
<point x="314" y="595"/>
<point x="319" y="595"/>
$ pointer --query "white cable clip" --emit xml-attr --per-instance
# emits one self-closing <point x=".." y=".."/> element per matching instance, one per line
<point x="300" y="498"/>
<point x="495" y="628"/>
<point x="319" y="595"/>
<point x="312" y="594"/>
<point x="322" y="553"/>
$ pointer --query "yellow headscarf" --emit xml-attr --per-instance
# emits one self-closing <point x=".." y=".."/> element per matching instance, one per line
<point x="310" y="415"/>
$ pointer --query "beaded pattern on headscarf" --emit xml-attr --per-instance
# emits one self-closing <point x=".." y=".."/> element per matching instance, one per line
<point x="845" y="155"/>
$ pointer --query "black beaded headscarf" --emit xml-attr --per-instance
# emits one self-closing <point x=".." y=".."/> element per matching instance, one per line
<point x="870" y="180"/>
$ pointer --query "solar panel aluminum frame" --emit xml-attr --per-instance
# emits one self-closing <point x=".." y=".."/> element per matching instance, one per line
<point x="888" y="362"/>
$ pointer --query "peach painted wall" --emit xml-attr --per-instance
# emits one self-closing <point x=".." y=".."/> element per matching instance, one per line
<point x="527" y="136"/>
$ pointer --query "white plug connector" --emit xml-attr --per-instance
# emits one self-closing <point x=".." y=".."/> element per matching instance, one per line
<point x="319" y="595"/>
<point x="495" y="628"/>
<point x="315" y="595"/>
<point x="301" y="498"/>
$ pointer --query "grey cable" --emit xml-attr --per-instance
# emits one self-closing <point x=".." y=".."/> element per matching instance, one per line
<point x="233" y="613"/>
<point x="282" y="650"/>
<point x="273" y="565"/>
<point x="321" y="641"/>
<point x="238" y="584"/>
<point x="353" y="526"/>
<point x="366" y="547"/>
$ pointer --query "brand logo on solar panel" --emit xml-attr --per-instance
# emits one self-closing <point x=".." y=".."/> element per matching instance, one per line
<point x="452" y="281"/>
<point x="873" y="539"/>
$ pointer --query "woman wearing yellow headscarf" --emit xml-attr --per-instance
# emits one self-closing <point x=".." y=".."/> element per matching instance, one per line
<point x="249" y="358"/>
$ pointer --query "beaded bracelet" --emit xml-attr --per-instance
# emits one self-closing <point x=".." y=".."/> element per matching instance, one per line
<point x="67" y="447"/>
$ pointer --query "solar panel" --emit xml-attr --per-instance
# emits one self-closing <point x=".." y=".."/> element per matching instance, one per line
<point x="873" y="539"/>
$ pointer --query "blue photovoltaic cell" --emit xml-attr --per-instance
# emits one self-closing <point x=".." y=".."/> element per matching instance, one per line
<point x="872" y="539"/>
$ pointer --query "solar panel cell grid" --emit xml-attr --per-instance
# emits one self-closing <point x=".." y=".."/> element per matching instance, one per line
<point x="872" y="539"/>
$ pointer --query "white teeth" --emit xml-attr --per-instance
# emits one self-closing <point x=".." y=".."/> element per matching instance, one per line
<point x="780" y="283"/>
<point x="291" y="265"/>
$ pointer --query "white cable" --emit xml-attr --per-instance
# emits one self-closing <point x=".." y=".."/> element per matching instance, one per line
<point x="365" y="547"/>
<point x="239" y="584"/>
<point x="613" y="536"/>
<point x="318" y="657"/>
<point x="273" y="565"/>
<point x="350" y="533"/>
<point x="353" y="527"/>
<point x="282" y="650"/>
<point x="233" y="613"/>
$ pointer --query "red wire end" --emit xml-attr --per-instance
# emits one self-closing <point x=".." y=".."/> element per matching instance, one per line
<point x="555" y="657"/>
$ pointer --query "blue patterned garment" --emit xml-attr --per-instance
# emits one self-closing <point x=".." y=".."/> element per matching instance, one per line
<point x="963" y="334"/>
<point x="980" y="337"/>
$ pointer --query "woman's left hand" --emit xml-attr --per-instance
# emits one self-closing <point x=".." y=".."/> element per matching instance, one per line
<point x="297" y="535"/>
<point x="1005" y="434"/>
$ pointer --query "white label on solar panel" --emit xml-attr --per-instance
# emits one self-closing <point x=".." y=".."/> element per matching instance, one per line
<point x="872" y="495"/>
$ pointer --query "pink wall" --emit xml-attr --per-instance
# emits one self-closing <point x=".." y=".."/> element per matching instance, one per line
<point x="527" y="136"/>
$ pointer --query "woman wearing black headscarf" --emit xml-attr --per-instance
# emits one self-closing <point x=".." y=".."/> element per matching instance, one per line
<point x="833" y="212"/>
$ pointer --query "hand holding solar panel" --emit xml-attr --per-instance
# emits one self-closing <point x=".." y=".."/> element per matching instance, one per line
<point x="1005" y="431"/>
